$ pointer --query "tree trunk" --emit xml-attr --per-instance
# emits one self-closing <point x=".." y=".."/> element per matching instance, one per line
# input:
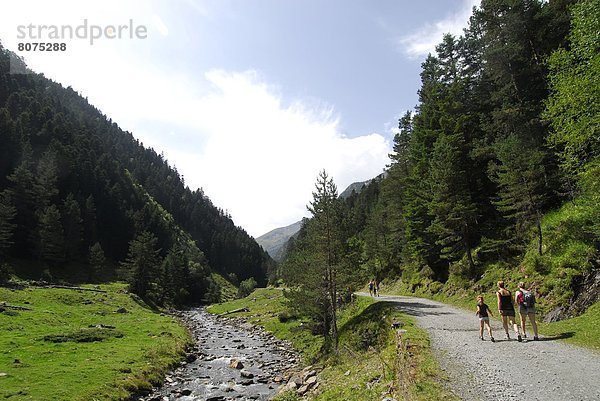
<point x="470" y="259"/>
<point x="333" y="299"/>
<point x="539" y="229"/>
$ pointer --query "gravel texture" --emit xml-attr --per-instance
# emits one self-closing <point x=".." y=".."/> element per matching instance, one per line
<point x="547" y="369"/>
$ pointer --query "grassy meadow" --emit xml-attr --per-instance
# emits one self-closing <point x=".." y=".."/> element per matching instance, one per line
<point x="75" y="345"/>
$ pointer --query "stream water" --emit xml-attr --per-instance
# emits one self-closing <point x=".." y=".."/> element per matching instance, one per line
<point x="231" y="360"/>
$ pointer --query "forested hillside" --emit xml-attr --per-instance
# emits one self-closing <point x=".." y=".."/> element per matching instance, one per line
<point x="494" y="175"/>
<point x="84" y="200"/>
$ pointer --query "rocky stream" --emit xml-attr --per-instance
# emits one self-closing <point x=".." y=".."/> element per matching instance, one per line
<point x="231" y="360"/>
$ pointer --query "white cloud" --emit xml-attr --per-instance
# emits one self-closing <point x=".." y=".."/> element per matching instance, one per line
<point x="423" y="41"/>
<point x="261" y="157"/>
<point x="254" y="152"/>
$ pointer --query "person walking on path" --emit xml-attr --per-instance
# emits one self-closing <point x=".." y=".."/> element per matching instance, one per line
<point x="376" y="287"/>
<point x="507" y="310"/>
<point x="371" y="287"/>
<point x="483" y="313"/>
<point x="526" y="301"/>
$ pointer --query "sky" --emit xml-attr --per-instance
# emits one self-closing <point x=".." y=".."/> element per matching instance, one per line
<point x="247" y="99"/>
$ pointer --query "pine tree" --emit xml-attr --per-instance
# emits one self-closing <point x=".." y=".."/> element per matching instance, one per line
<point x="46" y="180"/>
<point x="89" y="221"/>
<point x="314" y="269"/>
<point x="73" y="229"/>
<point x="7" y="227"/>
<point x="142" y="266"/>
<point x="520" y="176"/>
<point x="97" y="261"/>
<point x="51" y="236"/>
<point x="23" y="198"/>
<point x="326" y="239"/>
<point x="455" y="214"/>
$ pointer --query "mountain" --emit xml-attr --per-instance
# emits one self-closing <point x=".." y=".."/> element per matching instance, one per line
<point x="357" y="187"/>
<point x="72" y="181"/>
<point x="274" y="241"/>
<point x="354" y="187"/>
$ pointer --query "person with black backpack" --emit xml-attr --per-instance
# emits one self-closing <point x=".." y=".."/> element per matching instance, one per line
<point x="526" y="301"/>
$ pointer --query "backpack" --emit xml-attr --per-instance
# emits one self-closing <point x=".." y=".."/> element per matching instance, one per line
<point x="528" y="299"/>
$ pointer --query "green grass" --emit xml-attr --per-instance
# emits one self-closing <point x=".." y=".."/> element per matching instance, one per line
<point x="366" y="364"/>
<point x="228" y="291"/>
<point x="59" y="351"/>
<point x="370" y="363"/>
<point x="581" y="330"/>
<point x="265" y="307"/>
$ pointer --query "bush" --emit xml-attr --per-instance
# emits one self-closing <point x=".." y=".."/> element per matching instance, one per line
<point x="5" y="272"/>
<point x="286" y="316"/>
<point x="84" y="336"/>
<point x="246" y="287"/>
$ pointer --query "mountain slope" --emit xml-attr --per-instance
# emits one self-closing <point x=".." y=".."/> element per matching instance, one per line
<point x="274" y="241"/>
<point x="71" y="178"/>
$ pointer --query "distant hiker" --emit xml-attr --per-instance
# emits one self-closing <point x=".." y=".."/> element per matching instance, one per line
<point x="376" y="288"/>
<point x="526" y="301"/>
<point x="507" y="310"/>
<point x="371" y="287"/>
<point x="484" y="317"/>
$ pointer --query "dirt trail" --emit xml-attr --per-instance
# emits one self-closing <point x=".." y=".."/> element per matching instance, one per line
<point x="505" y="370"/>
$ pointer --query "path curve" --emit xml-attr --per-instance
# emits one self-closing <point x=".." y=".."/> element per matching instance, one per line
<point x="505" y="370"/>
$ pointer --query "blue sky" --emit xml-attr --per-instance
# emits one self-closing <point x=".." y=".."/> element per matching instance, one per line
<point x="249" y="99"/>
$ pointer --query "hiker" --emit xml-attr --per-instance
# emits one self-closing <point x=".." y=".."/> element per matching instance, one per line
<point x="483" y="313"/>
<point x="371" y="287"/>
<point x="526" y="301"/>
<point x="507" y="310"/>
<point x="377" y="287"/>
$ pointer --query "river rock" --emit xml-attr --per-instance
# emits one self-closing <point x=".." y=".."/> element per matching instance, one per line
<point x="302" y="390"/>
<point x="309" y="374"/>
<point x="291" y="386"/>
<point x="246" y="374"/>
<point x="311" y="381"/>
<point x="235" y="364"/>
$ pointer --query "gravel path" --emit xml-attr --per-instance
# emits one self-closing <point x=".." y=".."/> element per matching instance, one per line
<point x="505" y="370"/>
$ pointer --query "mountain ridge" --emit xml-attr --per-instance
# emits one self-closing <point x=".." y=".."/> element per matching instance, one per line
<point x="274" y="242"/>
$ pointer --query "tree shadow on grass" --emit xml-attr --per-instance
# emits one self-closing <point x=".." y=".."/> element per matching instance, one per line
<point x="367" y="328"/>
<point x="560" y="336"/>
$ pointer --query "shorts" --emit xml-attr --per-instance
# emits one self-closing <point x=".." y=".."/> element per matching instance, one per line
<point x="484" y="319"/>
<point x="526" y="310"/>
<point x="507" y="312"/>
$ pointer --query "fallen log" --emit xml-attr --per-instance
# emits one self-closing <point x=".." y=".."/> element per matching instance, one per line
<point x="235" y="311"/>
<point x="5" y="305"/>
<point x="66" y="287"/>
